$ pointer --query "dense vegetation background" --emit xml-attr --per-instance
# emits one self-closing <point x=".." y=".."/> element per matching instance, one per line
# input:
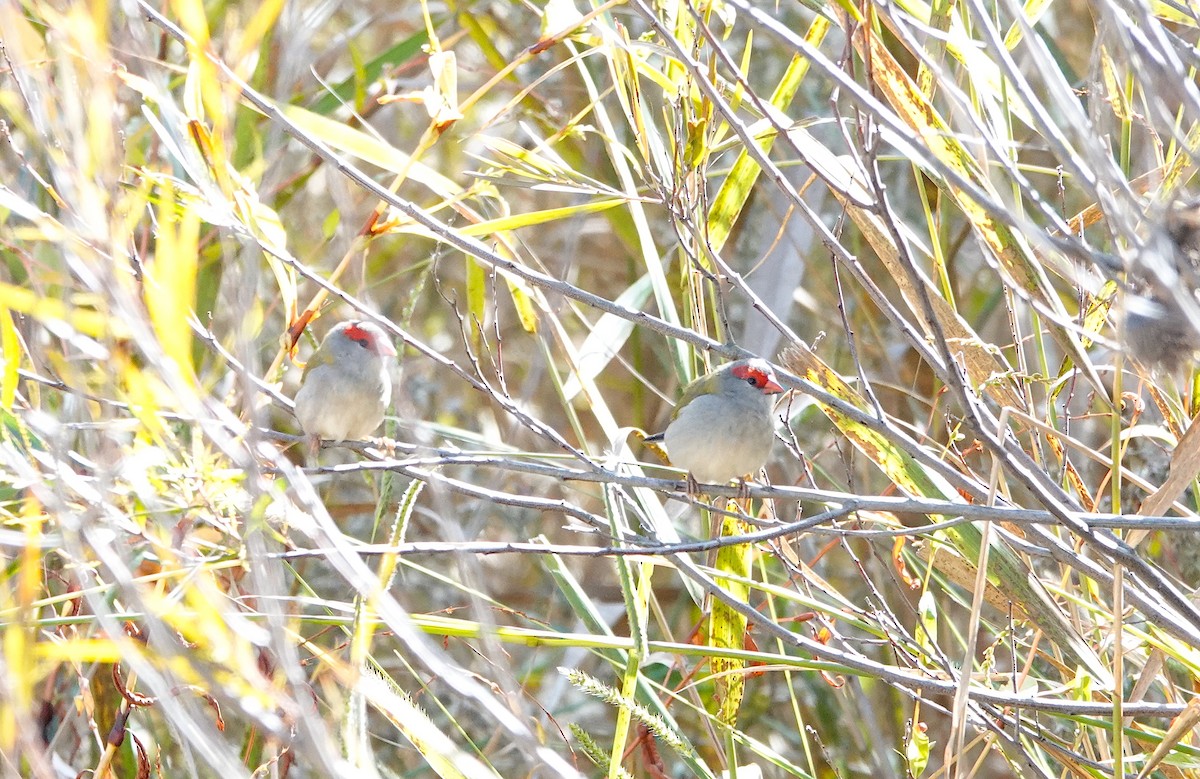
<point x="930" y="217"/>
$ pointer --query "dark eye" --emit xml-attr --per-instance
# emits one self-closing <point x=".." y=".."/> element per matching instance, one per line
<point x="752" y="381"/>
<point x="361" y="342"/>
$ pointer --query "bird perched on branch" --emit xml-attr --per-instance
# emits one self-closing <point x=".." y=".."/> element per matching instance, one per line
<point x="721" y="428"/>
<point x="346" y="386"/>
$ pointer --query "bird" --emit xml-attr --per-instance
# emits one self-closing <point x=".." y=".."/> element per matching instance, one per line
<point x="721" y="428"/>
<point x="1161" y="305"/>
<point x="346" y="386"/>
<point x="1159" y="332"/>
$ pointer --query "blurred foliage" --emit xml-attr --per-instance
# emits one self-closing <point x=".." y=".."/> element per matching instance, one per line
<point x="970" y="555"/>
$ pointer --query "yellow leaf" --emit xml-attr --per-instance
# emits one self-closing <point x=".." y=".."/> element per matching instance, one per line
<point x="445" y="85"/>
<point x="736" y="188"/>
<point x="10" y="349"/>
<point x="94" y="324"/>
<point x="82" y="651"/>
<point x="170" y="285"/>
<point x="530" y="218"/>
<point x="258" y="27"/>
<point x="476" y="299"/>
<point x="727" y="626"/>
<point x="354" y="142"/>
<point x="523" y="301"/>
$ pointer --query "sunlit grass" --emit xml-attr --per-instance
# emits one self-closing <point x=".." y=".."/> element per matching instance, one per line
<point x="972" y="555"/>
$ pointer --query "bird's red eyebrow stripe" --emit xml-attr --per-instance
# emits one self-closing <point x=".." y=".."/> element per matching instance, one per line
<point x="357" y="333"/>
<point x="766" y="383"/>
